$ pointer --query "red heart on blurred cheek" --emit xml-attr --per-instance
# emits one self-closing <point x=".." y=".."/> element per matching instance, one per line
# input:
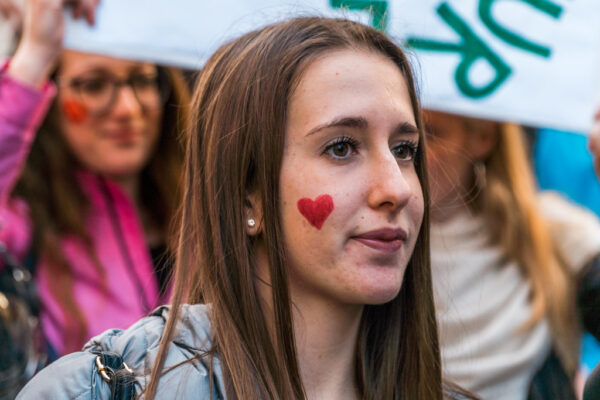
<point x="316" y="211"/>
<point x="74" y="111"/>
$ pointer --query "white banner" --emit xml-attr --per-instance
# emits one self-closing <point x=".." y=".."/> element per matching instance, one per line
<point x="530" y="61"/>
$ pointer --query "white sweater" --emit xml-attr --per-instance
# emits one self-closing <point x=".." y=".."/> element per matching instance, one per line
<point x="482" y="299"/>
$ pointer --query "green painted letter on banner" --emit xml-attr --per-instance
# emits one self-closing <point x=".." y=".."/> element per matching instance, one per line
<point x="545" y="6"/>
<point x="471" y="48"/>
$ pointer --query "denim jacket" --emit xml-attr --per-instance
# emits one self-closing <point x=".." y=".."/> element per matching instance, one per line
<point x="76" y="376"/>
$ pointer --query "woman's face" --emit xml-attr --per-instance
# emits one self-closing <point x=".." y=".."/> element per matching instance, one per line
<point x="351" y="199"/>
<point x="111" y="132"/>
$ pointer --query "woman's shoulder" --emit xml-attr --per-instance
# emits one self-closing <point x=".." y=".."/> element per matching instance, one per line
<point x="574" y="229"/>
<point x="77" y="375"/>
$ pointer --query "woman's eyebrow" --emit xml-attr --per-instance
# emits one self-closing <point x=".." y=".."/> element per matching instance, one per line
<point x="143" y="68"/>
<point x="347" y="122"/>
<point x="95" y="70"/>
<point x="362" y="123"/>
<point x="406" y="128"/>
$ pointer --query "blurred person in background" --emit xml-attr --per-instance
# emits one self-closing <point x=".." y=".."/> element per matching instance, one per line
<point x="592" y="388"/>
<point x="89" y="177"/>
<point x="563" y="163"/>
<point x="509" y="265"/>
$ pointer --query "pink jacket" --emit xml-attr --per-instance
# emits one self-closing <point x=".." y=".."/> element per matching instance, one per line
<point x="113" y="224"/>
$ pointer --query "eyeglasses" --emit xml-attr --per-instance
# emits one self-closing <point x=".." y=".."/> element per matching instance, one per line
<point x="100" y="93"/>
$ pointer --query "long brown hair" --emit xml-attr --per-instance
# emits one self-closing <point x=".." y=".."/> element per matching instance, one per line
<point x="235" y="147"/>
<point x="510" y="205"/>
<point x="58" y="206"/>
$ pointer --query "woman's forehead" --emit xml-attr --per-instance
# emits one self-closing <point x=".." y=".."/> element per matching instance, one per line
<point x="350" y="82"/>
<point x="73" y="63"/>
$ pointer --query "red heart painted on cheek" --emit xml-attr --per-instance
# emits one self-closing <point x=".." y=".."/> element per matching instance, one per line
<point x="74" y="111"/>
<point x="316" y="211"/>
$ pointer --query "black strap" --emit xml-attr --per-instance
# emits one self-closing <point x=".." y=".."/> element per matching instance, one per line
<point x="120" y="377"/>
<point x="588" y="297"/>
<point x="31" y="259"/>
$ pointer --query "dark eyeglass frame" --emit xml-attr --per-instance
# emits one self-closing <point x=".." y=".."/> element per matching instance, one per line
<point x="163" y="86"/>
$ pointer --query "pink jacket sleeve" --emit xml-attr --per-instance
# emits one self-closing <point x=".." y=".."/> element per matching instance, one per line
<point x="22" y="109"/>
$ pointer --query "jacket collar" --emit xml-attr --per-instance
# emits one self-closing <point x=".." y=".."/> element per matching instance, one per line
<point x="194" y="332"/>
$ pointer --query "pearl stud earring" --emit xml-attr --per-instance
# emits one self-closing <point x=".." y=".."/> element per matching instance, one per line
<point x="251" y="222"/>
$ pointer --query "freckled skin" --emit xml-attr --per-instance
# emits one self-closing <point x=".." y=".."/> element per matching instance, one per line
<point x="372" y="191"/>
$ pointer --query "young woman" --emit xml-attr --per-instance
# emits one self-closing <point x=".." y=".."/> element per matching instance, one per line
<point x="89" y="177"/>
<point x="304" y="230"/>
<point x="508" y="264"/>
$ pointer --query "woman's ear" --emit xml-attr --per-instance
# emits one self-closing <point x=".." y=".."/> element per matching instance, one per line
<point x="254" y="215"/>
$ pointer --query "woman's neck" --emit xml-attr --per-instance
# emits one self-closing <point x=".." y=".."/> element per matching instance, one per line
<point x="129" y="184"/>
<point x="326" y="336"/>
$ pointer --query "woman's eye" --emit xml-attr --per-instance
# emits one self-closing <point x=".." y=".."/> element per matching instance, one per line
<point x="342" y="148"/>
<point x="92" y="86"/>
<point x="405" y="151"/>
<point x="144" y="81"/>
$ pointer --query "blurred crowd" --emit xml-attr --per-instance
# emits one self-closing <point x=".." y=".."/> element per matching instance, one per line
<point x="91" y="189"/>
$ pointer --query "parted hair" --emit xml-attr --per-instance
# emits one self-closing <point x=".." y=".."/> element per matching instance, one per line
<point x="235" y="147"/>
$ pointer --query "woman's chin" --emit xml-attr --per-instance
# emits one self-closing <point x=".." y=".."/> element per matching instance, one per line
<point x="119" y="168"/>
<point x="377" y="294"/>
<point x="382" y="297"/>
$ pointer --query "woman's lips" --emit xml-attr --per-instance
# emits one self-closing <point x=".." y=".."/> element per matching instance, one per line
<point x="124" y="136"/>
<point x="386" y="240"/>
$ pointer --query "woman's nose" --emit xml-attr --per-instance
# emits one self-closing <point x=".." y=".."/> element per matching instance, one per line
<point x="126" y="103"/>
<point x="389" y="187"/>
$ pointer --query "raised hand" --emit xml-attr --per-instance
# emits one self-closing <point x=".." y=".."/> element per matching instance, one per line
<point x="13" y="13"/>
<point x="43" y="30"/>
